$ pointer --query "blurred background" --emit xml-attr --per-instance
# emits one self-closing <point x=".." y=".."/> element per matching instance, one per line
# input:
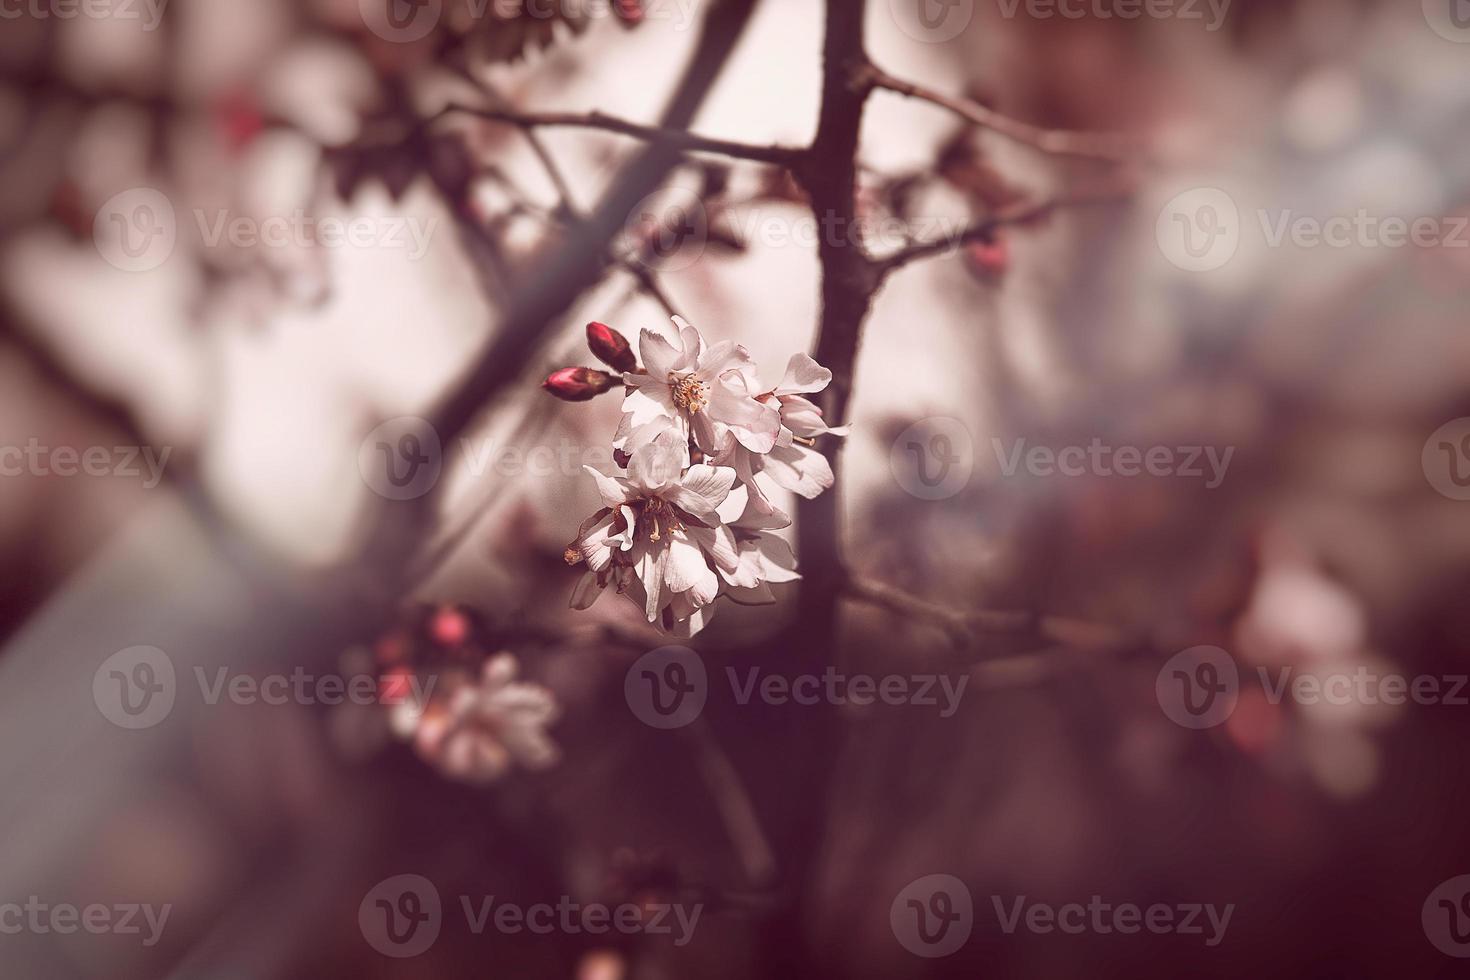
<point x="236" y="240"/>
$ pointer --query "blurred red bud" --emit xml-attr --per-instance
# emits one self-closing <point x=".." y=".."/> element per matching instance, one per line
<point x="578" y="384"/>
<point x="449" y="627"/>
<point x="611" y="347"/>
<point x="988" y="260"/>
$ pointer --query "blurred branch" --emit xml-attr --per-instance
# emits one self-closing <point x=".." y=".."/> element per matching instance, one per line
<point x="1096" y="146"/>
<point x="733" y="803"/>
<point x="642" y="275"/>
<point x="658" y="135"/>
<point x="964" y="625"/>
<point x="985" y="229"/>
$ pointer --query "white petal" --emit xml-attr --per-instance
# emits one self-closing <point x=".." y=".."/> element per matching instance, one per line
<point x="659" y="463"/>
<point x="687" y="571"/>
<point x="702" y="489"/>
<point x="801" y="470"/>
<point x="659" y="356"/>
<point x="803" y="374"/>
<point x="612" y="490"/>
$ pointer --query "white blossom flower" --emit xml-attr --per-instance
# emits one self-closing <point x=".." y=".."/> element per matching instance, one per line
<point x="792" y="463"/>
<point x="764" y="557"/>
<point x="696" y="391"/>
<point x="658" y="538"/>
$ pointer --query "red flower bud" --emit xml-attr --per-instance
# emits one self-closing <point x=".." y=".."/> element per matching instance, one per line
<point x="449" y="627"/>
<point x="611" y="347"/>
<point x="988" y="261"/>
<point x="578" y="384"/>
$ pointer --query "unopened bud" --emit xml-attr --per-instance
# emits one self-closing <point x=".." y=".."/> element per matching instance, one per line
<point x="990" y="260"/>
<point x="611" y="347"/>
<point x="578" y="384"/>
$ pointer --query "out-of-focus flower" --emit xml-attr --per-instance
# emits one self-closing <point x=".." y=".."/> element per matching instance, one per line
<point x="475" y="730"/>
<point x="695" y="390"/>
<point x="611" y="347"/>
<point x="578" y="384"/>
<point x="658" y="536"/>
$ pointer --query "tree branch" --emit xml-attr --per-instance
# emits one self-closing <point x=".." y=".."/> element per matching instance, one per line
<point x="672" y="138"/>
<point x="963" y="625"/>
<point x="1095" y="146"/>
<point x="985" y="229"/>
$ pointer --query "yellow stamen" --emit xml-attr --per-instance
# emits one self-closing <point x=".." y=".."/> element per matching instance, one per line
<point x="689" y="393"/>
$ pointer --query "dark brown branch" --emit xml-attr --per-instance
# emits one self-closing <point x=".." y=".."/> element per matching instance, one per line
<point x="1095" y="146"/>
<point x="670" y="137"/>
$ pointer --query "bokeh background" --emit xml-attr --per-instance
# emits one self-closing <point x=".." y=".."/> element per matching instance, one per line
<point x="1330" y="545"/>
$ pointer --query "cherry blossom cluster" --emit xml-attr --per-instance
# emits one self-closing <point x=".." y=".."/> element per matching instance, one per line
<point x="701" y="440"/>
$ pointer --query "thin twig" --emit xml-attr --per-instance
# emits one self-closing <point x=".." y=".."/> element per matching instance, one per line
<point x="672" y="138"/>
<point x="985" y="229"/>
<point x="1094" y="146"/>
<point x="963" y="625"/>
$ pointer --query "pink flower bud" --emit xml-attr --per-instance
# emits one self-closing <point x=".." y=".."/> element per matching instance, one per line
<point x="988" y="261"/>
<point x="610" y="347"/>
<point x="578" y="384"/>
<point x="449" y="627"/>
